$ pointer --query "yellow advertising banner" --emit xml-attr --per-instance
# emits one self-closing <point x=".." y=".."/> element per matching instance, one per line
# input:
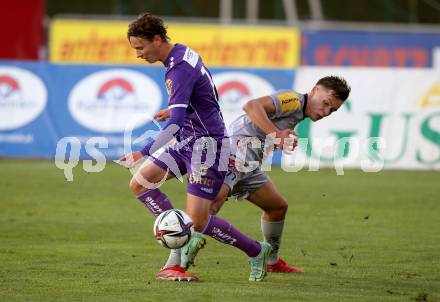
<point x="105" y="42"/>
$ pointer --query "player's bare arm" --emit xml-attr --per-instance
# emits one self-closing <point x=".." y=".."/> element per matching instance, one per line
<point x="258" y="111"/>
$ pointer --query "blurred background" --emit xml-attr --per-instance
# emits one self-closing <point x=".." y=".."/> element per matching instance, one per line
<point x="67" y="70"/>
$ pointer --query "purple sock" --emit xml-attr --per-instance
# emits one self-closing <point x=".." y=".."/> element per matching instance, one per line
<point x="225" y="232"/>
<point x="155" y="201"/>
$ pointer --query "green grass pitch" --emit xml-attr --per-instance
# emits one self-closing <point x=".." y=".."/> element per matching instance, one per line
<point x="359" y="237"/>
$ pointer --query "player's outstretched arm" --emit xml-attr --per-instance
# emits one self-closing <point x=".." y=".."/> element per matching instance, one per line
<point x="177" y="118"/>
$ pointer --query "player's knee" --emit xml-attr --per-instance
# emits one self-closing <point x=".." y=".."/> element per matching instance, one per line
<point x="223" y="193"/>
<point x="218" y="201"/>
<point x="279" y="211"/>
<point x="140" y="184"/>
<point x="135" y="187"/>
<point x="221" y="196"/>
<point x="284" y="206"/>
<point x="216" y="205"/>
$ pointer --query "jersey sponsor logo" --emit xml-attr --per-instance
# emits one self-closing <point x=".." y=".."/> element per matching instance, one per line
<point x="23" y="97"/>
<point x="191" y="57"/>
<point x="169" y="86"/>
<point x="106" y="101"/>
<point x="289" y="101"/>
<point x="200" y="180"/>
<point x="235" y="89"/>
<point x="207" y="190"/>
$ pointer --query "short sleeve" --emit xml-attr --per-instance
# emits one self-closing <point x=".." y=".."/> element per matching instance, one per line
<point x="286" y="102"/>
<point x="179" y="82"/>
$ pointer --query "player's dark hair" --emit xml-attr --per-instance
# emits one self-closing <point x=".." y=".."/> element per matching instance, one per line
<point x="147" y="26"/>
<point x="339" y="85"/>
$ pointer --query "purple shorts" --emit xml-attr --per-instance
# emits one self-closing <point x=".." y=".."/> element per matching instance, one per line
<point x="203" y="181"/>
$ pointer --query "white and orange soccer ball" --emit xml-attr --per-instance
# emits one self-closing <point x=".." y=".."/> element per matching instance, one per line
<point x="173" y="228"/>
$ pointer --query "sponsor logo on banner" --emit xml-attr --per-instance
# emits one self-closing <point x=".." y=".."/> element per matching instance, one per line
<point x="106" y="101"/>
<point x="235" y="89"/>
<point x="401" y="107"/>
<point x="367" y="48"/>
<point x="432" y="97"/>
<point x="79" y="41"/>
<point x="23" y="97"/>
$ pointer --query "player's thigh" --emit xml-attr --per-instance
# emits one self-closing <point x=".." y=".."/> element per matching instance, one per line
<point x="268" y="198"/>
<point x="150" y="175"/>
<point x="204" y="182"/>
<point x="198" y="209"/>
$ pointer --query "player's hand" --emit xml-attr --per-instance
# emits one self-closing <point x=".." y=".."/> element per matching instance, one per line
<point x="287" y="139"/>
<point x="290" y="143"/>
<point x="162" y="115"/>
<point x="129" y="160"/>
<point x="216" y="205"/>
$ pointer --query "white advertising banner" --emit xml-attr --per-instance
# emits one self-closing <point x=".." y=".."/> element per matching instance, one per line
<point x="390" y="120"/>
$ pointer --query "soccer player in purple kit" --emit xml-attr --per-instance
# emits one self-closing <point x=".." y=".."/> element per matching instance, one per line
<point x="196" y="123"/>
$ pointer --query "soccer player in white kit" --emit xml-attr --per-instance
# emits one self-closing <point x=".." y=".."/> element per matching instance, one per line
<point x="275" y="115"/>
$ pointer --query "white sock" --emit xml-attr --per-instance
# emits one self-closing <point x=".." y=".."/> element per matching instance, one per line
<point x="272" y="232"/>
<point x="173" y="259"/>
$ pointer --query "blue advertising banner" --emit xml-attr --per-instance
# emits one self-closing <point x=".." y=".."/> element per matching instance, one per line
<point x="363" y="48"/>
<point x="101" y="108"/>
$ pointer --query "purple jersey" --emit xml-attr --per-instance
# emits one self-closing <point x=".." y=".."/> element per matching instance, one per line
<point x="189" y="85"/>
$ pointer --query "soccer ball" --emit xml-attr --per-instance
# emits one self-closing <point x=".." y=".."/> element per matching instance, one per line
<point x="173" y="229"/>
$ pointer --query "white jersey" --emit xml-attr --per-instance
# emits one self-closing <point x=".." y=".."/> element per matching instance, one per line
<point x="289" y="111"/>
